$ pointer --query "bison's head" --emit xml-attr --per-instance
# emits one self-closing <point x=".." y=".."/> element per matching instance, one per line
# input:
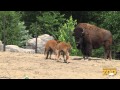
<point x="79" y="35"/>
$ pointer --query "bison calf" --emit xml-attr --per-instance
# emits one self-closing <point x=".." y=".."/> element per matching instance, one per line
<point x="50" y="47"/>
<point x="64" y="49"/>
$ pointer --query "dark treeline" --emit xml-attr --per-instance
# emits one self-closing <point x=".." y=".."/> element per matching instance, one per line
<point x="23" y="25"/>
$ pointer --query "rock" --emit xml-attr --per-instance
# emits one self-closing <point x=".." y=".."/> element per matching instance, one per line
<point x="1" y="46"/>
<point x="41" y="41"/>
<point x="14" y="48"/>
<point x="28" y="50"/>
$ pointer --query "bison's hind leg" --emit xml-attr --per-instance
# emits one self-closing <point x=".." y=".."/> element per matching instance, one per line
<point x="107" y="49"/>
<point x="109" y="55"/>
<point x="50" y="52"/>
<point x="47" y="55"/>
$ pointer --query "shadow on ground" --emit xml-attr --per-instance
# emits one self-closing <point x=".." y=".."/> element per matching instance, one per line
<point x="89" y="59"/>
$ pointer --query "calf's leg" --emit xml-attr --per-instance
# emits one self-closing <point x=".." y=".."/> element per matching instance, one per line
<point x="47" y="55"/>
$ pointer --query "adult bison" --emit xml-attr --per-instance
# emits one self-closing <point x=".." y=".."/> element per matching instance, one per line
<point x="90" y="37"/>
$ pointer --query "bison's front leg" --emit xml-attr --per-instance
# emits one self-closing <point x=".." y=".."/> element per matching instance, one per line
<point x="84" y="57"/>
<point x="67" y="57"/>
<point x="83" y="53"/>
<point x="107" y="55"/>
<point x="88" y="51"/>
<point x="55" y="53"/>
<point x="50" y="53"/>
<point x="58" y="55"/>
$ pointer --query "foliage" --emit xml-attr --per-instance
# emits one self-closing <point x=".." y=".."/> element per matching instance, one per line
<point x="24" y="34"/>
<point x="66" y="34"/>
<point x="48" y="23"/>
<point x="98" y="52"/>
<point x="29" y="17"/>
<point x="20" y="24"/>
<point x="108" y="20"/>
<point x="35" y="29"/>
<point x="105" y="19"/>
<point x="14" y="28"/>
<point x="112" y="23"/>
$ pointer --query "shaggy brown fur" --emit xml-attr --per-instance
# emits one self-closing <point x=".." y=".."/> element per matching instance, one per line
<point x="93" y="37"/>
<point x="50" y="47"/>
<point x="64" y="49"/>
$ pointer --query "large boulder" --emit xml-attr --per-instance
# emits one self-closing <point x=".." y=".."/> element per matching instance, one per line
<point x="41" y="41"/>
<point x="14" y="48"/>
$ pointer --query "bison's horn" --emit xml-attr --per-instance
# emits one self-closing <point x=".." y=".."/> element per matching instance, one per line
<point x="83" y="31"/>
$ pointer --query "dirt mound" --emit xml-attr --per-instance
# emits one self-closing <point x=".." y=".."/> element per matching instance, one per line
<point x="34" y="66"/>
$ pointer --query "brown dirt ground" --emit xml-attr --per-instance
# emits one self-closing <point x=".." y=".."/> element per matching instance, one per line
<point x="34" y="66"/>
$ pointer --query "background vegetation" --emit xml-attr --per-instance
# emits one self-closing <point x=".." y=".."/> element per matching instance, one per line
<point x="23" y="25"/>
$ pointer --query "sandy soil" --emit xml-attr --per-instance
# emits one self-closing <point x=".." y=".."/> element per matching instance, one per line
<point x="34" y="66"/>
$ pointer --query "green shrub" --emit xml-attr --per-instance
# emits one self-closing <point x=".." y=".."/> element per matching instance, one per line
<point x="16" y="33"/>
<point x="66" y="34"/>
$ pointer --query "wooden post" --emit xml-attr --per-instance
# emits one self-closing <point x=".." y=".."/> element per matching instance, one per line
<point x="4" y="34"/>
<point x="36" y="38"/>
